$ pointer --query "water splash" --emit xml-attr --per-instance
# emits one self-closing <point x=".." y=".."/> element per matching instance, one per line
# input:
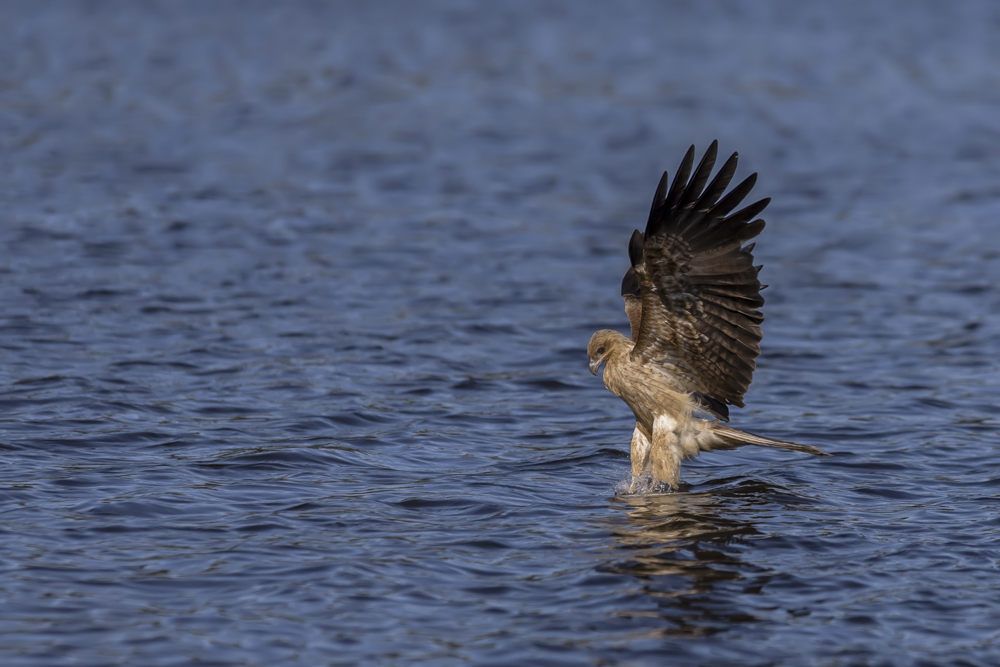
<point x="640" y="485"/>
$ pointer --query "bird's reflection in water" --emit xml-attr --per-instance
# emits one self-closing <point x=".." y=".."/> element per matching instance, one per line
<point x="685" y="550"/>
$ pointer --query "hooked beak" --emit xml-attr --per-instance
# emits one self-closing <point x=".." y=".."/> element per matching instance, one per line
<point x="594" y="365"/>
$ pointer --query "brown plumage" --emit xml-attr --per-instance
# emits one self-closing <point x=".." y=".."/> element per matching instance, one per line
<point x="692" y="298"/>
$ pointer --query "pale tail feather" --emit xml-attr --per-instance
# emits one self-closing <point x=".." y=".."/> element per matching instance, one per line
<point x="734" y="438"/>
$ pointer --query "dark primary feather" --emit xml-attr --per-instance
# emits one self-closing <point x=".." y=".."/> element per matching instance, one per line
<point x="630" y="284"/>
<point x="711" y="406"/>
<point x="700" y="292"/>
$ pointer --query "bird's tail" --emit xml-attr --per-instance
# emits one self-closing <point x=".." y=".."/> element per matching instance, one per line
<point x="733" y="437"/>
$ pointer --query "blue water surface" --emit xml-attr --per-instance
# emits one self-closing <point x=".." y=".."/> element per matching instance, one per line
<point x="294" y="301"/>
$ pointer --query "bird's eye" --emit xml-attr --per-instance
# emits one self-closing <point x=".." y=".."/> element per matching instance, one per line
<point x="600" y="350"/>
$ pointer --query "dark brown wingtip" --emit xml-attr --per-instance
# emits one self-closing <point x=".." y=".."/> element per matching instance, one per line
<point x="660" y="194"/>
<point x="701" y="174"/>
<point x="630" y="284"/>
<point x="693" y="189"/>
<point x="719" y="184"/>
<point x="679" y="185"/>
<point x="751" y="230"/>
<point x="713" y="405"/>
<point x="736" y="195"/>
<point x="635" y="245"/>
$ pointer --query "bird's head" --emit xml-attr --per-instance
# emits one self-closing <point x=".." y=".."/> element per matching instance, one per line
<point x="600" y="347"/>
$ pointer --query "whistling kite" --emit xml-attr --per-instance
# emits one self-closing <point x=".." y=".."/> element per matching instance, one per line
<point x="692" y="297"/>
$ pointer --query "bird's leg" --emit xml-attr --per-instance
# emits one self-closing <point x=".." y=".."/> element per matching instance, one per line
<point x="639" y="452"/>
<point x="665" y="454"/>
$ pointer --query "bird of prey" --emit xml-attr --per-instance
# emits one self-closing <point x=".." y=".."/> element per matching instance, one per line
<point x="693" y="301"/>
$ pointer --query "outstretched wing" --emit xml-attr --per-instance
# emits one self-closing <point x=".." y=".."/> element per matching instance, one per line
<point x="700" y="292"/>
